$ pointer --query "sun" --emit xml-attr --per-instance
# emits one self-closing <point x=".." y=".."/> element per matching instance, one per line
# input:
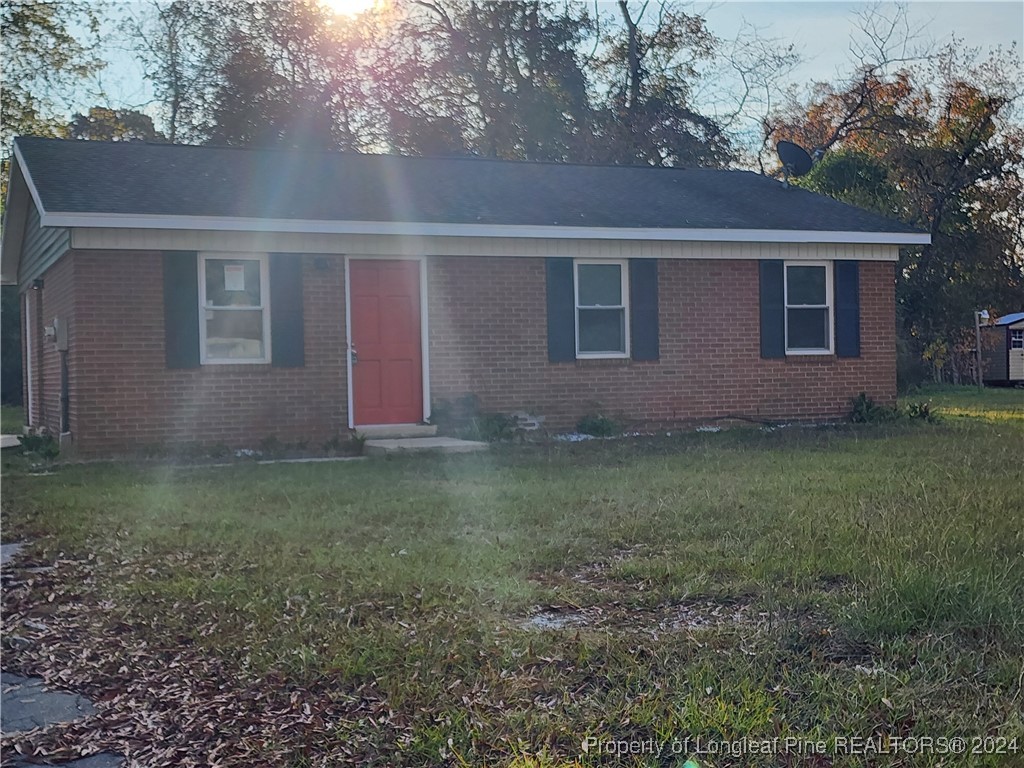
<point x="349" y="7"/>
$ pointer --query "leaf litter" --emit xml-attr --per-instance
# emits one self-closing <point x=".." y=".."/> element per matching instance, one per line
<point x="168" y="701"/>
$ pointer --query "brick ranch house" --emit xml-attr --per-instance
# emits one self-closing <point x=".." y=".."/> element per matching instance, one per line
<point x="222" y="296"/>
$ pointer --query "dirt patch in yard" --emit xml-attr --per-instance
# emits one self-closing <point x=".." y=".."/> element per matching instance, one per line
<point x="683" y="616"/>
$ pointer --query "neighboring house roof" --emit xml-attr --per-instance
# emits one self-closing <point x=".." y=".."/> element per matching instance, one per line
<point x="137" y="179"/>
<point x="1010" y="319"/>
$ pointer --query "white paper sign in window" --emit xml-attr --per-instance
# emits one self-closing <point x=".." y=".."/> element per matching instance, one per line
<point x="234" y="277"/>
<point x="234" y="325"/>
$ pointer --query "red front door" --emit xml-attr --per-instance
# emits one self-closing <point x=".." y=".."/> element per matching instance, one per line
<point x="387" y="364"/>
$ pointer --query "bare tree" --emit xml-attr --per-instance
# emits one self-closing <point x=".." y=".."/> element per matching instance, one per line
<point x="179" y="46"/>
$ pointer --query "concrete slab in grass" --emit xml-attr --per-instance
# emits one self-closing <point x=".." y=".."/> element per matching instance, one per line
<point x="8" y="551"/>
<point x="101" y="760"/>
<point x="421" y="445"/>
<point x="27" y="704"/>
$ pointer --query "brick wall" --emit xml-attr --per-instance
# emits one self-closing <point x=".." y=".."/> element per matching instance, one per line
<point x="487" y="319"/>
<point x="126" y="397"/>
<point x="488" y="337"/>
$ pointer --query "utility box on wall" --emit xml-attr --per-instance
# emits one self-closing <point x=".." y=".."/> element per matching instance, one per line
<point x="61" y="333"/>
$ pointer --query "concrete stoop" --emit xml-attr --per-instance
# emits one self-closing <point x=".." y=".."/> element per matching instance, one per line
<point x="391" y="431"/>
<point x="401" y="445"/>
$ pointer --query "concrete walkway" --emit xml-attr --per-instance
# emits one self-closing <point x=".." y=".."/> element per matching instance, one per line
<point x="26" y="704"/>
<point x="387" y="446"/>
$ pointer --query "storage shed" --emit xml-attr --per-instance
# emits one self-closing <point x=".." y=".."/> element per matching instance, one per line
<point x="1003" y="350"/>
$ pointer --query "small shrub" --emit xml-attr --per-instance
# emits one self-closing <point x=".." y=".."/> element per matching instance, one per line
<point x="864" y="410"/>
<point x="342" y="445"/>
<point x="491" y="427"/>
<point x="597" y="425"/>
<point x="271" y="447"/>
<point x="463" y="418"/>
<point x="454" y="417"/>
<point x="333" y="445"/>
<point x="923" y="411"/>
<point x="44" y="446"/>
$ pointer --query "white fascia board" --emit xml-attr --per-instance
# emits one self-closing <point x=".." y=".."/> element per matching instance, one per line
<point x="31" y="185"/>
<point x="413" y="229"/>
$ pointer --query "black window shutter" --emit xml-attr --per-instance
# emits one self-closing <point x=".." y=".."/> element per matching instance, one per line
<point x="847" y="289"/>
<point x="287" y="340"/>
<point x="561" y="300"/>
<point x="181" y="309"/>
<point x="773" y="308"/>
<point x="643" y="308"/>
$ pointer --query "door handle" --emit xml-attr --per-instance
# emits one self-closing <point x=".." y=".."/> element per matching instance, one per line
<point x="353" y="355"/>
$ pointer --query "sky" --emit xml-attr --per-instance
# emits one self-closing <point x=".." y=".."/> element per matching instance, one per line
<point x="819" y="29"/>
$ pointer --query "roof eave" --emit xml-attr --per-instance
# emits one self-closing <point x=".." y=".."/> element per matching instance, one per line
<point x="433" y="229"/>
<point x="21" y="193"/>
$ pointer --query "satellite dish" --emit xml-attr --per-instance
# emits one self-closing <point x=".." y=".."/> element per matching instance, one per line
<point x="795" y="160"/>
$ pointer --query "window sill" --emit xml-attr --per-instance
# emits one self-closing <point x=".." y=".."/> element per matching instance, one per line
<point x="603" y="362"/>
<point x="810" y="358"/>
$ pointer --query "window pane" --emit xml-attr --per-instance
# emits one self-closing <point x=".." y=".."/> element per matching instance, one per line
<point x="232" y="283"/>
<point x="805" y="285"/>
<point x="602" y="330"/>
<point x="1017" y="339"/>
<point x="600" y="285"/>
<point x="808" y="329"/>
<point x="234" y="334"/>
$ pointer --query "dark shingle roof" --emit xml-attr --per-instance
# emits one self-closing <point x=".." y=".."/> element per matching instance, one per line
<point x="175" y="180"/>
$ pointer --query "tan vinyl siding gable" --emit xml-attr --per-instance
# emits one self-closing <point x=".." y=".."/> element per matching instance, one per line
<point x="390" y="245"/>
<point x="41" y="247"/>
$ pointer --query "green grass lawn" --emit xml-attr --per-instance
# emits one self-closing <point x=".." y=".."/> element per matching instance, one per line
<point x="12" y="418"/>
<point x="990" y="403"/>
<point x="813" y="584"/>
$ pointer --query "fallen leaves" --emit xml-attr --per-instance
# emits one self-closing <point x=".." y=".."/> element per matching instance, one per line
<point x="165" y="701"/>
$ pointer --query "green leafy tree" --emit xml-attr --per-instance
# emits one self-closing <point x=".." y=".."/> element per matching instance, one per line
<point x="492" y="79"/>
<point x="106" y="124"/>
<point x="642" y="92"/>
<point x="180" y="45"/>
<point x="43" y="63"/>
<point x="936" y="145"/>
<point x="290" y="77"/>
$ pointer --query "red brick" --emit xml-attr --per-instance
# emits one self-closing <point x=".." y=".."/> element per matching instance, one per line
<point x="488" y="337"/>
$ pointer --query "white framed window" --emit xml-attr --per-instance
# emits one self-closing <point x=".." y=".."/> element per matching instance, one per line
<point x="234" y="308"/>
<point x="602" y="308"/>
<point x="1017" y="339"/>
<point x="809" y="308"/>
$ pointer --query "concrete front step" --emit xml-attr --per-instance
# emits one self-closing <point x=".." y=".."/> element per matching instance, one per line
<point x="421" y="445"/>
<point x="380" y="431"/>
